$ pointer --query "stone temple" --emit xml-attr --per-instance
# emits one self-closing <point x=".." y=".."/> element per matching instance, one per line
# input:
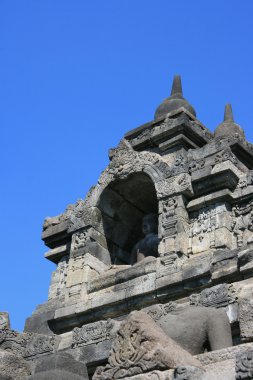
<point x="154" y="268"/>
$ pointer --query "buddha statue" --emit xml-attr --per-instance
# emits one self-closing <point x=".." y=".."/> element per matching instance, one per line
<point x="148" y="246"/>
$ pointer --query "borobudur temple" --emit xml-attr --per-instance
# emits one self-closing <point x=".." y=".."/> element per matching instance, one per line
<point x="154" y="268"/>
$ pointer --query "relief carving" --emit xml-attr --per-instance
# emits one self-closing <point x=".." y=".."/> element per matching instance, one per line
<point x="26" y="344"/>
<point x="224" y="155"/>
<point x="242" y="223"/>
<point x="80" y="216"/>
<point x="178" y="184"/>
<point x="92" y="333"/>
<point x="244" y="365"/>
<point x="169" y="222"/>
<point x="79" y="240"/>
<point x="217" y="296"/>
<point x="204" y="222"/>
<point x="196" y="165"/>
<point x="126" y="161"/>
<point x="160" y="310"/>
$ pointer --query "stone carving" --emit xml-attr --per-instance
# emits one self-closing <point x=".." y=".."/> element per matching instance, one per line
<point x="4" y="321"/>
<point x="224" y="155"/>
<point x="180" y="165"/>
<point x="175" y="185"/>
<point x="149" y="245"/>
<point x="169" y="263"/>
<point x="204" y="222"/>
<point x="169" y="222"/>
<point x="126" y="161"/>
<point x="160" y="310"/>
<point x="139" y="347"/>
<point x="196" y="165"/>
<point x="242" y="224"/>
<point x="244" y="365"/>
<point x="243" y="182"/>
<point x="216" y="296"/>
<point x="62" y="272"/>
<point x="80" y="216"/>
<point x="92" y="333"/>
<point x="26" y="344"/>
<point x="79" y="240"/>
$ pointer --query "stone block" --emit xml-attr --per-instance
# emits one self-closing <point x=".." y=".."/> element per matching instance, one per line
<point x="59" y="367"/>
<point x="169" y="280"/>
<point x="246" y="319"/>
<point x="196" y="266"/>
<point x="38" y="322"/>
<point x="141" y="285"/>
<point x="109" y="297"/>
<point x="245" y="261"/>
<point x="57" y="253"/>
<point x="224" y="265"/>
<point x="65" y="311"/>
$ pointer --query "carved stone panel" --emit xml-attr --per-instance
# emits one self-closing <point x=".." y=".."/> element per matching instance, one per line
<point x="92" y="333"/>
<point x="242" y="223"/>
<point x="210" y="229"/>
<point x="26" y="344"/>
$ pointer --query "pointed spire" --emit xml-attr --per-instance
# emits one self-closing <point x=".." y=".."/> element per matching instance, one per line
<point x="175" y="101"/>
<point x="228" y="127"/>
<point x="176" y="89"/>
<point x="228" y="113"/>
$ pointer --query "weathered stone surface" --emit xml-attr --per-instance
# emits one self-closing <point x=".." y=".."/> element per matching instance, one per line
<point x="13" y="367"/>
<point x="140" y="346"/>
<point x="26" y="345"/>
<point x="224" y="264"/>
<point x="59" y="367"/>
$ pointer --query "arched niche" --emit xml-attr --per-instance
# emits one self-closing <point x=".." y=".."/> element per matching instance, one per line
<point x="123" y="204"/>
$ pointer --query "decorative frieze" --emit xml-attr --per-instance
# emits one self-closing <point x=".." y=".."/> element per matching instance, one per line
<point x="26" y="344"/>
<point x="92" y="333"/>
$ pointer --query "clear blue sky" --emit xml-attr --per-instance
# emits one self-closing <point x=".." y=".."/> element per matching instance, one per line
<point x="74" y="77"/>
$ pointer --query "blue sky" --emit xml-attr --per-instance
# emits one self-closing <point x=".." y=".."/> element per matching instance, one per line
<point x="74" y="77"/>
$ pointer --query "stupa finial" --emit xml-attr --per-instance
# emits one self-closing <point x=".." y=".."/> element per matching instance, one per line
<point x="176" y="89"/>
<point x="228" y="113"/>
